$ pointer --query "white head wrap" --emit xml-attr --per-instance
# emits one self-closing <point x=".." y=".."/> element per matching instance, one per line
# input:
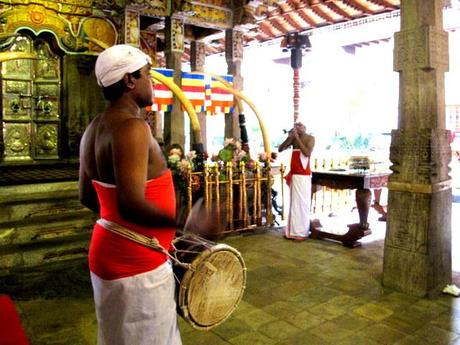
<point x="114" y="62"/>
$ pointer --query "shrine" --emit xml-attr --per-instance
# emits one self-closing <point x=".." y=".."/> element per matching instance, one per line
<point x="49" y="95"/>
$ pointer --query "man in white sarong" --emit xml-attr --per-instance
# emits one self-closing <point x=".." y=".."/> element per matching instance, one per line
<point x="299" y="181"/>
<point x="124" y="178"/>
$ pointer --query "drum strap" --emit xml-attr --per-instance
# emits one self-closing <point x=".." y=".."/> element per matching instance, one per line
<point x="151" y="242"/>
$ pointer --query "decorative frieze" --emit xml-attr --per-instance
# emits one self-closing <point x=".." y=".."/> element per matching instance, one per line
<point x="420" y="156"/>
<point x="132" y="27"/>
<point x="216" y="14"/>
<point x="161" y="8"/>
<point x="233" y="45"/>
<point x="75" y="27"/>
<point x="46" y="141"/>
<point x="16" y="141"/>
<point x="423" y="48"/>
<point x="175" y="35"/>
<point x="197" y="55"/>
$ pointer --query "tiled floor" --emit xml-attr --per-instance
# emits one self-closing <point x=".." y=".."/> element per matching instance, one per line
<point x="298" y="293"/>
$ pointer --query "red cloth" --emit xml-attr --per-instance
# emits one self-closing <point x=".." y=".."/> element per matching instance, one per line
<point x="11" y="331"/>
<point x="296" y="166"/>
<point x="112" y="256"/>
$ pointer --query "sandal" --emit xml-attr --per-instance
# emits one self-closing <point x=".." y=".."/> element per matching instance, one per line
<point x="451" y="290"/>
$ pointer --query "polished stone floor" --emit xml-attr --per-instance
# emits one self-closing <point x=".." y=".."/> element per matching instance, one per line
<point x="298" y="293"/>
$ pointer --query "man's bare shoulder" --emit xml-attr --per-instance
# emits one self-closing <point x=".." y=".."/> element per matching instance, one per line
<point x="308" y="137"/>
<point x="90" y="131"/>
<point x="131" y="125"/>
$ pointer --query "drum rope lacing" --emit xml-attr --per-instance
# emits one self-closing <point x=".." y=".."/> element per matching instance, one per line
<point x="151" y="242"/>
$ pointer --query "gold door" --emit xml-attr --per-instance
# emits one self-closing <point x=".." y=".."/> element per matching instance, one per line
<point x="31" y="103"/>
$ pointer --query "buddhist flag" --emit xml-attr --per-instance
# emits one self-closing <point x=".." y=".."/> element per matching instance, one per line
<point x="221" y="100"/>
<point x="163" y="96"/>
<point x="193" y="86"/>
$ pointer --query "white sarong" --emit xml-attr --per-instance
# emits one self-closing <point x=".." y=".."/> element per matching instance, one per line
<point x="299" y="209"/>
<point x="137" y="310"/>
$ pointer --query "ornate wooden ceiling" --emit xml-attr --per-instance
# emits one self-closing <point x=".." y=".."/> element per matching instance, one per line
<point x="279" y="18"/>
<point x="265" y="20"/>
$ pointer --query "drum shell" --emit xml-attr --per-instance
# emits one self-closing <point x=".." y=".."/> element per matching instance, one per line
<point x="211" y="289"/>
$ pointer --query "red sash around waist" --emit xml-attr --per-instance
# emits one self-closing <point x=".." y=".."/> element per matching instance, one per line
<point x="112" y="256"/>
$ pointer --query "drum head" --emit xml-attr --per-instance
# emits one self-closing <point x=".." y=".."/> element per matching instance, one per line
<point x="211" y="290"/>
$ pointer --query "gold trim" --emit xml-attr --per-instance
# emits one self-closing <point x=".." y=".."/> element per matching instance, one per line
<point x="6" y="56"/>
<point x="419" y="187"/>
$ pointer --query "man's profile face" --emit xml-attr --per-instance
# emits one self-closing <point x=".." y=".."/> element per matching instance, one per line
<point x="144" y="87"/>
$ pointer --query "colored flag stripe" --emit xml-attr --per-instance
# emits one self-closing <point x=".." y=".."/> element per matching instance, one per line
<point x="163" y="94"/>
<point x="193" y="88"/>
<point x="165" y="71"/>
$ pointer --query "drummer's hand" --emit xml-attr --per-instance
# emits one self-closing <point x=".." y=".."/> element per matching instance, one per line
<point x="208" y="223"/>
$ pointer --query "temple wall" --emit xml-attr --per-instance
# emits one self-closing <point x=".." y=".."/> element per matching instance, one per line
<point x="43" y="228"/>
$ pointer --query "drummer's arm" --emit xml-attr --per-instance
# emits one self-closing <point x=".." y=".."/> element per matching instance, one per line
<point x="131" y="147"/>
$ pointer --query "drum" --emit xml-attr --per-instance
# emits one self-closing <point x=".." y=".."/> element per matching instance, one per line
<point x="212" y="285"/>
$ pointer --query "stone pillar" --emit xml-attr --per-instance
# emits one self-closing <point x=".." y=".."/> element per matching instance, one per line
<point x="174" y="120"/>
<point x="417" y="255"/>
<point x="234" y="57"/>
<point x="197" y="62"/>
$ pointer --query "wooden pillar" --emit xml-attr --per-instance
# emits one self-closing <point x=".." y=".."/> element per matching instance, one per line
<point x="197" y="62"/>
<point x="174" y="120"/>
<point x="417" y="254"/>
<point x="234" y="57"/>
<point x="131" y="27"/>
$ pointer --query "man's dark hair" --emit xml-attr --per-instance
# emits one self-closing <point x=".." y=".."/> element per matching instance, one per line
<point x="115" y="91"/>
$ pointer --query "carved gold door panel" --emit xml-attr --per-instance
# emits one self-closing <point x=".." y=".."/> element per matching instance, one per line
<point x="31" y="103"/>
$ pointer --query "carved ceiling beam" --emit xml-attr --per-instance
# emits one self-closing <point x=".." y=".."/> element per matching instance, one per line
<point x="286" y="7"/>
<point x="297" y="22"/>
<point x="385" y="4"/>
<point x="357" y="6"/>
<point x="337" y="9"/>
<point x="270" y="30"/>
<point x="262" y="36"/>
<point x="323" y="14"/>
<point x="304" y="15"/>
<point x="293" y="3"/>
<point x="283" y="25"/>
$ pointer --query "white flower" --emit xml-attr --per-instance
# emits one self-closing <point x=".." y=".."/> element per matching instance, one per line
<point x="229" y="141"/>
<point x="238" y="145"/>
<point x="240" y="155"/>
<point x="183" y="165"/>
<point x="190" y="156"/>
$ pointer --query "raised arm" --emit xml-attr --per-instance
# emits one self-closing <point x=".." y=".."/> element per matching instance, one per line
<point x="287" y="142"/>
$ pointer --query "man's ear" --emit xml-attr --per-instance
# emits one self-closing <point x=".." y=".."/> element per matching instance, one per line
<point x="128" y="79"/>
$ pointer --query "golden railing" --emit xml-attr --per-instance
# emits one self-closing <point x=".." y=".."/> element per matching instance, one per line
<point x="243" y="194"/>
